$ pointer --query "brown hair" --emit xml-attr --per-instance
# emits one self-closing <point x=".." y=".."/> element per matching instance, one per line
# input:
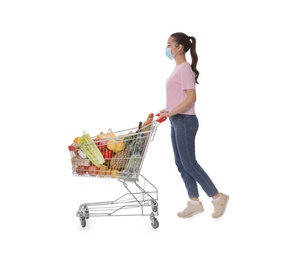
<point x="188" y="42"/>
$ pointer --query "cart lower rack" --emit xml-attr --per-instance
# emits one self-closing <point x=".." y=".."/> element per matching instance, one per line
<point x="118" y="155"/>
<point x="133" y="203"/>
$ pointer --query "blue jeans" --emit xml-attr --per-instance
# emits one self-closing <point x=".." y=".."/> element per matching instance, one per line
<point x="183" y="132"/>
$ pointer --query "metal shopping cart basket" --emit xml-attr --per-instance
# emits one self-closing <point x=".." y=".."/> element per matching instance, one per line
<point x="123" y="154"/>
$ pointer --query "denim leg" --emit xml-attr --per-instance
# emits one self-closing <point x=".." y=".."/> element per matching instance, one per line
<point x="189" y="181"/>
<point x="183" y="132"/>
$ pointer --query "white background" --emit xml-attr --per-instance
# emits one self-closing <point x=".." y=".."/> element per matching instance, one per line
<point x="70" y="66"/>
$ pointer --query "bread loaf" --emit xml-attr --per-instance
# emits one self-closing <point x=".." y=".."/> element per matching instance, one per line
<point x="105" y="136"/>
<point x="147" y="123"/>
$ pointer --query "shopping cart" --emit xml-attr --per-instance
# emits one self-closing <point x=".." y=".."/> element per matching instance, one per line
<point x="123" y="164"/>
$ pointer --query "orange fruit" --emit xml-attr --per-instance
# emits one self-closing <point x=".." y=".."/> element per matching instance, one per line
<point x="76" y="140"/>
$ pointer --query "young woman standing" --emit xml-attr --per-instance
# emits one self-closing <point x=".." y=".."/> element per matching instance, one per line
<point x="180" y="109"/>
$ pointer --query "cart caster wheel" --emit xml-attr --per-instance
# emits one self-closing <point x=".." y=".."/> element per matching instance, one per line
<point x="155" y="223"/>
<point x="87" y="213"/>
<point x="83" y="221"/>
<point x="154" y="206"/>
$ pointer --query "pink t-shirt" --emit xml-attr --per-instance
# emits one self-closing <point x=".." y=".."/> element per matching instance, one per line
<point x="181" y="78"/>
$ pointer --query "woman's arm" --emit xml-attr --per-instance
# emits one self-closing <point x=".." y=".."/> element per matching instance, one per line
<point x="190" y="99"/>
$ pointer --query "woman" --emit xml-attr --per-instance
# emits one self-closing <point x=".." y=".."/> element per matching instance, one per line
<point x="180" y="102"/>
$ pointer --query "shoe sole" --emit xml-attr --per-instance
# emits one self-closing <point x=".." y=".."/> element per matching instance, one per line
<point x="200" y="211"/>
<point x="226" y="203"/>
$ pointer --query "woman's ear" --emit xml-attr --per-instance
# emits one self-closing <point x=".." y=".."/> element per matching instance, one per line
<point x="179" y="47"/>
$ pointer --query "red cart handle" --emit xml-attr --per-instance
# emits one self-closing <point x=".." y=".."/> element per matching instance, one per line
<point x="160" y="119"/>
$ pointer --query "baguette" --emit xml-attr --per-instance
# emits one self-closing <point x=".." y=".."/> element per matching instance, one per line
<point x="147" y="123"/>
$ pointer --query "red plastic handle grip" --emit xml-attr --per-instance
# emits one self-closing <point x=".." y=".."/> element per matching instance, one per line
<point x="160" y="119"/>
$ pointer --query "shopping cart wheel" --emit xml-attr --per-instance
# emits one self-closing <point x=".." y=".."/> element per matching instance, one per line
<point x="87" y="212"/>
<point x="154" y="205"/>
<point x="154" y="221"/>
<point x="83" y="221"/>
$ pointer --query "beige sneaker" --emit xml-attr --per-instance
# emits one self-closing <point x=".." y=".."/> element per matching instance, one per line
<point x="220" y="205"/>
<point x="191" y="210"/>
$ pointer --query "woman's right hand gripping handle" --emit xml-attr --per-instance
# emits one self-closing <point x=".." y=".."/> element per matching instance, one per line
<point x="160" y="119"/>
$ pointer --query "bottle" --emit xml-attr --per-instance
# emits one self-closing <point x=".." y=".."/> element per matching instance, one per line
<point x="133" y="164"/>
<point x="140" y="143"/>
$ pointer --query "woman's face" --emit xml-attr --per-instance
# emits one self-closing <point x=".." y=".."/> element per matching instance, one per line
<point x="172" y="44"/>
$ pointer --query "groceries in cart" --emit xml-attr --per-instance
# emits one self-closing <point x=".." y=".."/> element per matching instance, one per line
<point x="118" y="155"/>
<point x="111" y="154"/>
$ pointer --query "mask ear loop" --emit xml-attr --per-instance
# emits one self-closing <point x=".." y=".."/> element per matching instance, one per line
<point x="176" y="45"/>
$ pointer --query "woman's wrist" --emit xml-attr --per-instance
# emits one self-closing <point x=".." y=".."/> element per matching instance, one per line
<point x="171" y="113"/>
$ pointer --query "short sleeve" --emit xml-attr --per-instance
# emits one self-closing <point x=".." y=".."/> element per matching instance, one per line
<point x="187" y="77"/>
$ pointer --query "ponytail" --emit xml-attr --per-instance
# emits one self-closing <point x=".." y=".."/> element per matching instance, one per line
<point x="194" y="57"/>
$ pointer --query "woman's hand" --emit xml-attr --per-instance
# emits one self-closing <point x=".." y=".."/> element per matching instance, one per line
<point x="164" y="113"/>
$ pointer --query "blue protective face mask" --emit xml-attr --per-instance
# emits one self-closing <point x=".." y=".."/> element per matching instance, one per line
<point x="169" y="54"/>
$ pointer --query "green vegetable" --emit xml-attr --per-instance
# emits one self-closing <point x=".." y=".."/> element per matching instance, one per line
<point x="90" y="149"/>
<point x="129" y="139"/>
